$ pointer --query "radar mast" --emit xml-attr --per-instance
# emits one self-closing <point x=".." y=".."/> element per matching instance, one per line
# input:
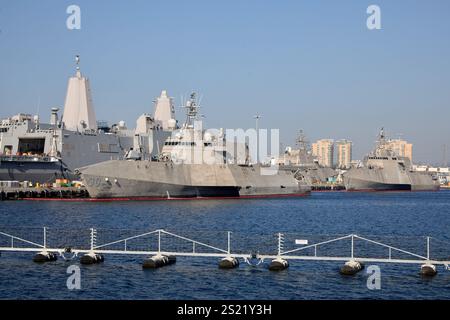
<point x="192" y="109"/>
<point x="301" y="141"/>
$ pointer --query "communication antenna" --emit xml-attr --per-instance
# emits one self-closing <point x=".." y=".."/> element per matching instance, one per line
<point x="38" y="105"/>
<point x="301" y="141"/>
<point x="202" y="116"/>
<point x="200" y="100"/>
<point x="77" y="61"/>
<point x="444" y="155"/>
<point x="257" y="117"/>
<point x="192" y="109"/>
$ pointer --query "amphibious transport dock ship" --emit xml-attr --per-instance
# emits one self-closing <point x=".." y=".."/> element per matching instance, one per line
<point x="193" y="164"/>
<point x="383" y="170"/>
<point x="42" y="152"/>
<point x="32" y="168"/>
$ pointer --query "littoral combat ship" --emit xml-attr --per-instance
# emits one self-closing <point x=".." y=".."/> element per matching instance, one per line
<point x="383" y="170"/>
<point x="193" y="163"/>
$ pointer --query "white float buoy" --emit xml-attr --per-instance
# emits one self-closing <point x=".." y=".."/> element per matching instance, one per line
<point x="228" y="263"/>
<point x="428" y="270"/>
<point x="91" y="258"/>
<point x="278" y="264"/>
<point x="158" y="261"/>
<point x="351" y="267"/>
<point x="45" y="256"/>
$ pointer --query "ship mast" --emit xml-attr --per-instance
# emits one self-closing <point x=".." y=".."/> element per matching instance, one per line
<point x="192" y="109"/>
<point x="301" y="141"/>
<point x="382" y="145"/>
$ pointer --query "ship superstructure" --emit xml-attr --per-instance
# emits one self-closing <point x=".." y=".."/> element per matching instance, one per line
<point x="193" y="163"/>
<point x="41" y="152"/>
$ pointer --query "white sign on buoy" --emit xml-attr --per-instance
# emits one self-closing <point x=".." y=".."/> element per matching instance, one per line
<point x="300" y="241"/>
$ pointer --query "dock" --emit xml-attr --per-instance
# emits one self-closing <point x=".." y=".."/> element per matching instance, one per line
<point x="161" y="247"/>
<point x="327" y="187"/>
<point x="20" y="193"/>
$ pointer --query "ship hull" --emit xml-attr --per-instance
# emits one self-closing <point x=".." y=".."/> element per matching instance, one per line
<point x="376" y="180"/>
<point x="365" y="185"/>
<point x="135" y="179"/>
<point x="39" y="171"/>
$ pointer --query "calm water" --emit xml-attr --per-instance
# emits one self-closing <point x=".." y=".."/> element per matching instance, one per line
<point x="404" y="218"/>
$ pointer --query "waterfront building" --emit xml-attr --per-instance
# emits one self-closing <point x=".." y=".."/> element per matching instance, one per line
<point x="324" y="151"/>
<point x="344" y="153"/>
<point x="401" y="148"/>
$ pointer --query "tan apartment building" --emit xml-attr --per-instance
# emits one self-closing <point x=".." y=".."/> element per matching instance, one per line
<point x="323" y="150"/>
<point x="401" y="148"/>
<point x="344" y="154"/>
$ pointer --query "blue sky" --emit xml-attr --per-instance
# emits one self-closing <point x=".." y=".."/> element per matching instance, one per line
<point x="310" y="65"/>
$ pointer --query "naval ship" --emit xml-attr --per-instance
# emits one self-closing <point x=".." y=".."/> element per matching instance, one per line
<point x="383" y="170"/>
<point x="193" y="163"/>
<point x="303" y="164"/>
<point x="42" y="152"/>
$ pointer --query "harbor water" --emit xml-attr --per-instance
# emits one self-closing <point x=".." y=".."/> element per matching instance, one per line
<point x="403" y="215"/>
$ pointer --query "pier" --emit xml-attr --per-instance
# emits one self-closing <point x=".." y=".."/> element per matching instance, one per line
<point x="161" y="248"/>
<point x="21" y="193"/>
<point x="327" y="187"/>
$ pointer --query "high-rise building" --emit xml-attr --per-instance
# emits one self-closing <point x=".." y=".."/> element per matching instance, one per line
<point x="344" y="153"/>
<point x="401" y="148"/>
<point x="324" y="150"/>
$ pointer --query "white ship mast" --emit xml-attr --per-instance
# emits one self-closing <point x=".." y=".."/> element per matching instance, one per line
<point x="192" y="109"/>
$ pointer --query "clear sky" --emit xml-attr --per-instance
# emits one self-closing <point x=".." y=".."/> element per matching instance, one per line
<point x="309" y="65"/>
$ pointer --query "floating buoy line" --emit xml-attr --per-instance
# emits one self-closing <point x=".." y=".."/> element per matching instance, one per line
<point x="227" y="259"/>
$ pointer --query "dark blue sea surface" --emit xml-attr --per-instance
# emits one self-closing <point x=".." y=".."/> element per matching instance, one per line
<point x="402" y="219"/>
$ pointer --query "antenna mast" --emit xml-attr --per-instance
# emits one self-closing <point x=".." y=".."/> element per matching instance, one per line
<point x="191" y="111"/>
<point x="444" y="155"/>
<point x="77" y="61"/>
<point x="301" y="141"/>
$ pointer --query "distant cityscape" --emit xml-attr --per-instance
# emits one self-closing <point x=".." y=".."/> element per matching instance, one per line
<point x="337" y="154"/>
<point x="324" y="150"/>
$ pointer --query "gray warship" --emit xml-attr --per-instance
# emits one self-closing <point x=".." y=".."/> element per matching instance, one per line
<point x="176" y="173"/>
<point x="42" y="152"/>
<point x="303" y="164"/>
<point x="383" y="170"/>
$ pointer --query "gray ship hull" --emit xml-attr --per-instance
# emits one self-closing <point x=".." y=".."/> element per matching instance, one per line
<point x="159" y="180"/>
<point x="39" y="171"/>
<point x="363" y="179"/>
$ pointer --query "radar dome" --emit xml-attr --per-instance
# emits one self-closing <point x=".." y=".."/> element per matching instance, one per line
<point x="207" y="137"/>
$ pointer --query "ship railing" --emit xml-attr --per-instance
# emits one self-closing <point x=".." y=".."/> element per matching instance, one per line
<point x="29" y="158"/>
